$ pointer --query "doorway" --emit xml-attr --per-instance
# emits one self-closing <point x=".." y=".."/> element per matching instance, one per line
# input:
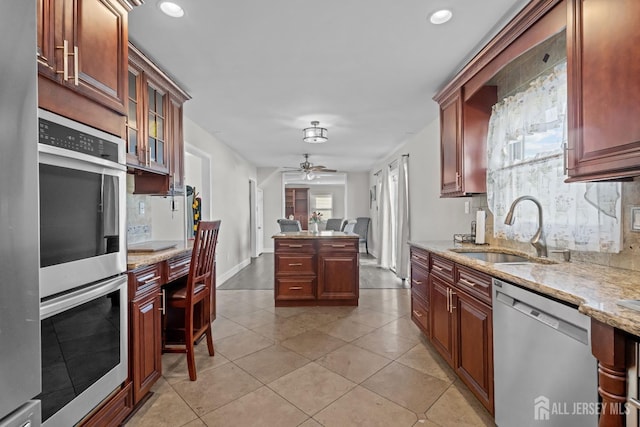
<point x="256" y="202"/>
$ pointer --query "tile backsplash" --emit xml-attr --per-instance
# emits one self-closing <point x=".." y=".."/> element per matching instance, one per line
<point x="628" y="257"/>
<point x="138" y="225"/>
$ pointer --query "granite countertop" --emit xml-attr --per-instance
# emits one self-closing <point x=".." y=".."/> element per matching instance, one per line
<point x="318" y="235"/>
<point x="139" y="259"/>
<point x="595" y="289"/>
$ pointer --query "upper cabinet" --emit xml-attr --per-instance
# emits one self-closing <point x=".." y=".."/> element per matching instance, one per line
<point x="82" y="60"/>
<point x="603" y="139"/>
<point x="155" y="144"/>
<point x="603" y="89"/>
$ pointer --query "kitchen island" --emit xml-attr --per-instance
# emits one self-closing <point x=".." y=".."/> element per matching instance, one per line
<point x="316" y="269"/>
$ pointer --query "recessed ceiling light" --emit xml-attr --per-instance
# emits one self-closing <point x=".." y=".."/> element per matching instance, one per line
<point x="440" y="16"/>
<point x="172" y="9"/>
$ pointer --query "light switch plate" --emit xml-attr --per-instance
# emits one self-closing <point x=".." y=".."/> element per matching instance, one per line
<point x="141" y="208"/>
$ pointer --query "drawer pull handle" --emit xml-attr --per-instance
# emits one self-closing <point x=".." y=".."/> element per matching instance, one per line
<point x="417" y="314"/>
<point x="338" y="246"/>
<point x="295" y="288"/>
<point x="435" y="267"/>
<point x="417" y="282"/>
<point x="295" y="246"/>
<point x="181" y="264"/>
<point x="295" y="264"/>
<point x="153" y="279"/>
<point x="466" y="282"/>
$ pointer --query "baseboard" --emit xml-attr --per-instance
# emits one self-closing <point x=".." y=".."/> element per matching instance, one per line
<point x="220" y="279"/>
<point x="267" y="250"/>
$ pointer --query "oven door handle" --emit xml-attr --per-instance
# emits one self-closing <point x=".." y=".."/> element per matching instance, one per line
<point x="77" y="297"/>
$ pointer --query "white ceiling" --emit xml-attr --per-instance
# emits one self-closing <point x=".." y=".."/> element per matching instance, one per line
<point x="260" y="71"/>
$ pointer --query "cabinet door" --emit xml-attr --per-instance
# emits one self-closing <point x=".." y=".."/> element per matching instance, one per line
<point x="338" y="276"/>
<point x="451" y="144"/>
<point x="146" y="343"/>
<point x="96" y="30"/>
<point x="603" y="89"/>
<point x="441" y="321"/>
<point x="176" y="147"/>
<point x="45" y="23"/>
<point x="135" y="136"/>
<point x="474" y="346"/>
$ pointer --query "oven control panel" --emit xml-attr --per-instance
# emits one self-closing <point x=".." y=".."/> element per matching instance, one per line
<point x="58" y="135"/>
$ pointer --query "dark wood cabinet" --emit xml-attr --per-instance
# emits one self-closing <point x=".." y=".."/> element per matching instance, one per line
<point x="316" y="271"/>
<point x="155" y="141"/>
<point x="463" y="141"/>
<point x="603" y="66"/>
<point x="146" y="328"/>
<point x="82" y="60"/>
<point x="441" y="320"/>
<point x="297" y="204"/>
<point x="473" y="360"/>
<point x="455" y="313"/>
<point x="113" y="411"/>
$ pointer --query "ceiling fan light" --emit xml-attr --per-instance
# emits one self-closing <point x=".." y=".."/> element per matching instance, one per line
<point x="315" y="134"/>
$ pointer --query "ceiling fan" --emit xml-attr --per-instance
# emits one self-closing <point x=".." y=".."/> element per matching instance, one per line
<point x="308" y="168"/>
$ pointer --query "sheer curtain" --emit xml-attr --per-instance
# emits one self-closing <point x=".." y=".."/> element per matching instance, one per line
<point x="402" y="225"/>
<point x="527" y="133"/>
<point x="384" y="226"/>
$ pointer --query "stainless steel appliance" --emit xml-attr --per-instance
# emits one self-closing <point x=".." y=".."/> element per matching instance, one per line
<point x="82" y="204"/>
<point x="544" y="371"/>
<point x="84" y="349"/>
<point x="19" y="300"/>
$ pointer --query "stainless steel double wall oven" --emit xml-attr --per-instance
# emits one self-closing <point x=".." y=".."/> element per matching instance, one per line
<point x="83" y="309"/>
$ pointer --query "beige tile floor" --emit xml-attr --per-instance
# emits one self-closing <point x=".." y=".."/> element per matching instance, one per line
<point x="331" y="366"/>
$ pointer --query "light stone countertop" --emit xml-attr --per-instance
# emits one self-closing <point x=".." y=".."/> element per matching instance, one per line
<point x="318" y="235"/>
<point x="139" y="259"/>
<point x="595" y="289"/>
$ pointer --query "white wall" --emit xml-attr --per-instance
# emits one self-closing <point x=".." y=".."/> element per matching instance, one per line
<point x="230" y="174"/>
<point x="430" y="217"/>
<point x="357" y="190"/>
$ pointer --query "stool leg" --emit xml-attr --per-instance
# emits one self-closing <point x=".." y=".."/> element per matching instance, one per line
<point x="188" y="337"/>
<point x="208" y="332"/>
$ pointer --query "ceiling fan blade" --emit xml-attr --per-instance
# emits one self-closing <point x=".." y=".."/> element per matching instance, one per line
<point x="328" y="170"/>
<point x="317" y="168"/>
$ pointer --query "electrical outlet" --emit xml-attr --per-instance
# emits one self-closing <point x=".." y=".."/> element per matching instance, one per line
<point x="141" y="208"/>
<point x="467" y="207"/>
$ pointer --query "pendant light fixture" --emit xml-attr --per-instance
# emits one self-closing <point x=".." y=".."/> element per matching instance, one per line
<point x="315" y="134"/>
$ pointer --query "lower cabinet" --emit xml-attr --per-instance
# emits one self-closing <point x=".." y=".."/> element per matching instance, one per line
<point x="316" y="271"/>
<point x="442" y="319"/>
<point x="113" y="412"/>
<point x="473" y="360"/>
<point x="145" y="344"/>
<point x="455" y="312"/>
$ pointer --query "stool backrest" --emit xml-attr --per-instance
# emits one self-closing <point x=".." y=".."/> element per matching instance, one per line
<point x="202" y="257"/>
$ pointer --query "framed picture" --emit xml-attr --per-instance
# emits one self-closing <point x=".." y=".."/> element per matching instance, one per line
<point x="635" y="218"/>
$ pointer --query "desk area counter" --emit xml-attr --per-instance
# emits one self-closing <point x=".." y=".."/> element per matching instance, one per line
<point x="140" y="259"/>
<point x="316" y="268"/>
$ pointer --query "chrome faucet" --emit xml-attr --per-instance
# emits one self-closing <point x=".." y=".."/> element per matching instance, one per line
<point x="538" y="239"/>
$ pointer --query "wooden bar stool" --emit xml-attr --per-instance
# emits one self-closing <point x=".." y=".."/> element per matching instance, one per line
<point x="197" y="290"/>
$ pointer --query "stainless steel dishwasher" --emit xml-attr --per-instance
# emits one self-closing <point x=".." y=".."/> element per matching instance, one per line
<point x="544" y="372"/>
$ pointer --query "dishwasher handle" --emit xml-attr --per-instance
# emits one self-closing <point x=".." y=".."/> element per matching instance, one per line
<point x="562" y="326"/>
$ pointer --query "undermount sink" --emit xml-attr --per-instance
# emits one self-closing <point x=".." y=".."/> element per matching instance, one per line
<point x="496" y="257"/>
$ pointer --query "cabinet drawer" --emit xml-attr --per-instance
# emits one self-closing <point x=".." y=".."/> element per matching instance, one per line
<point x="294" y="245"/>
<point x="419" y="280"/>
<point x="420" y="313"/>
<point x="442" y="267"/>
<point x="474" y="283"/>
<point x="144" y="279"/>
<point x="295" y="288"/>
<point x="295" y="264"/>
<point x="177" y="267"/>
<point x="338" y="245"/>
<point x="420" y="256"/>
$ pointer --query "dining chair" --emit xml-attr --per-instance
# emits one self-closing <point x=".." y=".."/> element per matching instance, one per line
<point x="334" y="224"/>
<point x="362" y="228"/>
<point x="196" y="290"/>
<point x="289" y="225"/>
